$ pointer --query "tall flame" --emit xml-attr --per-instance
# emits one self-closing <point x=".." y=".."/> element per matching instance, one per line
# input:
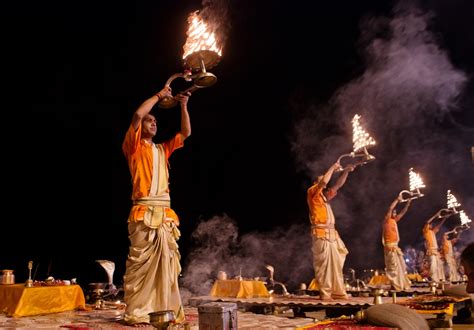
<point x="415" y="180"/>
<point x="199" y="37"/>
<point x="452" y="201"/>
<point x="464" y="218"/>
<point x="360" y="137"/>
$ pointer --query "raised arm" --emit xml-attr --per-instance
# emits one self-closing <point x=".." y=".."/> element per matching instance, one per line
<point x="185" y="121"/>
<point x="342" y="178"/>
<point x="392" y="207"/>
<point x="457" y="233"/>
<point x="403" y="211"/>
<point x="438" y="226"/>
<point x="455" y="238"/>
<point x="328" y="175"/>
<point x="148" y="104"/>
<point x="434" y="217"/>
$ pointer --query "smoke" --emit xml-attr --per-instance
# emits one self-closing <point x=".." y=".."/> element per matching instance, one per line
<point x="405" y="96"/>
<point x="217" y="246"/>
<point x="216" y="15"/>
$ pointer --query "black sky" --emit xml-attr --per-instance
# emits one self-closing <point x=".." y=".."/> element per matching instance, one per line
<point x="75" y="72"/>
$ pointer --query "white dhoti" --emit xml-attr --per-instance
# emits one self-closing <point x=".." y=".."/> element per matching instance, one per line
<point x="328" y="261"/>
<point x="436" y="267"/>
<point x="452" y="266"/>
<point x="152" y="269"/>
<point x="395" y="268"/>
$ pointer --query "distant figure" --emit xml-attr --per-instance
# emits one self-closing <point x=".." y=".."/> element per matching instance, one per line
<point x="436" y="266"/>
<point x="153" y="263"/>
<point x="395" y="267"/>
<point x="329" y="251"/>
<point x="450" y="238"/>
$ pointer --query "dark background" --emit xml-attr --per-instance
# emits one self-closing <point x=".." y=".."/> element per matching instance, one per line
<point x="74" y="72"/>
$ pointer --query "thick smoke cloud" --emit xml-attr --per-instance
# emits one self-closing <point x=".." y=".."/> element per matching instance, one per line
<point x="405" y="95"/>
<point x="219" y="247"/>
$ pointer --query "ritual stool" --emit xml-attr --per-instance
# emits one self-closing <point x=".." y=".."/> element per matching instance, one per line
<point x="218" y="316"/>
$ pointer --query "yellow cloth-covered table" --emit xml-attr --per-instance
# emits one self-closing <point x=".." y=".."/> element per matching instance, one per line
<point x="415" y="277"/>
<point x="383" y="279"/>
<point x="379" y="280"/>
<point x="17" y="300"/>
<point x="239" y="289"/>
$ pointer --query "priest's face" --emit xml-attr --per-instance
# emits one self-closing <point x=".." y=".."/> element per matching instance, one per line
<point x="148" y="126"/>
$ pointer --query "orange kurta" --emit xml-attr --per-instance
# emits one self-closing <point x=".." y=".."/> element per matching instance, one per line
<point x="446" y="247"/>
<point x="140" y="161"/>
<point x="390" y="237"/>
<point x="318" y="208"/>
<point x="431" y="243"/>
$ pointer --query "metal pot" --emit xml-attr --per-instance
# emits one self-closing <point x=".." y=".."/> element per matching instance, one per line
<point x="162" y="319"/>
<point x="8" y="277"/>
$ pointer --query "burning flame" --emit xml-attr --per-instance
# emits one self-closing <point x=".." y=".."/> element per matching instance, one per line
<point x="464" y="218"/>
<point x="415" y="180"/>
<point x="452" y="201"/>
<point x="199" y="37"/>
<point x="360" y="137"/>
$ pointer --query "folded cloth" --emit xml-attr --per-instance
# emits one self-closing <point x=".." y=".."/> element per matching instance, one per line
<point x="393" y="315"/>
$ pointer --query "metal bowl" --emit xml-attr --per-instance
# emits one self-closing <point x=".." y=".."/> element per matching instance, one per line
<point x="162" y="319"/>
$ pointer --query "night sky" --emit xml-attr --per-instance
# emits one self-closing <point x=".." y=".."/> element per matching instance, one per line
<point x="291" y="77"/>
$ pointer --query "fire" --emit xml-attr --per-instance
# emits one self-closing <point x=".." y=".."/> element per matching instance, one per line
<point x="199" y="37"/>
<point x="464" y="218"/>
<point x="360" y="137"/>
<point x="452" y="201"/>
<point x="415" y="181"/>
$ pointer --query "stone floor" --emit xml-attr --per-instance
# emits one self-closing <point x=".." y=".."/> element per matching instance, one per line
<point x="108" y="319"/>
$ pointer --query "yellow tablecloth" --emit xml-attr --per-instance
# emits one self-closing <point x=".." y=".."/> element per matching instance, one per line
<point x="379" y="280"/>
<point x="383" y="279"/>
<point x="239" y="289"/>
<point x="17" y="300"/>
<point x="415" y="277"/>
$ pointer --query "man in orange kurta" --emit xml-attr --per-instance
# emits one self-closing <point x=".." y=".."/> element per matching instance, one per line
<point x="431" y="244"/>
<point x="329" y="251"/>
<point x="450" y="238"/>
<point x="395" y="267"/>
<point x="153" y="263"/>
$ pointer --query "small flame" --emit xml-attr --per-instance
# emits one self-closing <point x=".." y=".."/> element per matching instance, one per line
<point x="452" y="201"/>
<point x="464" y="218"/>
<point x="360" y="137"/>
<point x="415" y="180"/>
<point x="199" y="37"/>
